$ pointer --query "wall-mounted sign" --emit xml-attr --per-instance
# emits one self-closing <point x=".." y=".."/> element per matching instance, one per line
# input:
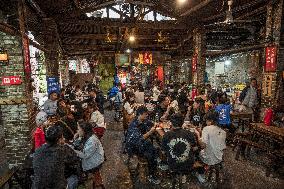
<point x="122" y="60"/>
<point x="145" y="58"/>
<point x="53" y="84"/>
<point x="270" y="60"/>
<point x="194" y="63"/>
<point x="11" y="80"/>
<point x="267" y="84"/>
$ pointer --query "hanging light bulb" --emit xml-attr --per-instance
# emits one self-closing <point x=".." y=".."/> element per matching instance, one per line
<point x="181" y="1"/>
<point x="131" y="38"/>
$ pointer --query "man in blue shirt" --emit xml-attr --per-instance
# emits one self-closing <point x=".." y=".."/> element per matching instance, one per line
<point x="224" y="110"/>
<point x="137" y="142"/>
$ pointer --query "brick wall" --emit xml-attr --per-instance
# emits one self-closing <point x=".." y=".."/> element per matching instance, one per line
<point x="14" y="130"/>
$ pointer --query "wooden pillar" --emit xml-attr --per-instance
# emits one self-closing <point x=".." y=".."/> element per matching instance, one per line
<point x="51" y="41"/>
<point x="272" y="79"/>
<point x="198" y="50"/>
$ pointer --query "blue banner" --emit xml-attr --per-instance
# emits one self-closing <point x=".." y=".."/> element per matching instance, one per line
<point x="53" y="84"/>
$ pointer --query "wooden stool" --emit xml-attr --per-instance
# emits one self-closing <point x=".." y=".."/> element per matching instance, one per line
<point x="142" y="169"/>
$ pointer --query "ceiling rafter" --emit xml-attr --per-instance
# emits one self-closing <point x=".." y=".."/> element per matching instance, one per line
<point x="164" y="25"/>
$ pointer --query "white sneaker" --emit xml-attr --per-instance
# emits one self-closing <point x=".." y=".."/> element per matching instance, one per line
<point x="201" y="178"/>
<point x="183" y="179"/>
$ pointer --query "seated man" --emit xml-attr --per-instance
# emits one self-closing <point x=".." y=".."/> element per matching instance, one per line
<point x="136" y="142"/>
<point x="53" y="164"/>
<point x="178" y="146"/>
<point x="212" y="140"/>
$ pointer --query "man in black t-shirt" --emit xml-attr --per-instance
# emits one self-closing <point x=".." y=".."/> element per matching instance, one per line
<point x="178" y="146"/>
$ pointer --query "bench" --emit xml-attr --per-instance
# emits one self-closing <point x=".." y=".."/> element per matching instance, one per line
<point x="244" y="143"/>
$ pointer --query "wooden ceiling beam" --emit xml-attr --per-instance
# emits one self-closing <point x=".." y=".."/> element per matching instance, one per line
<point x="235" y="10"/>
<point x="78" y="12"/>
<point x="113" y="37"/>
<point x="37" y="8"/>
<point x="196" y="8"/>
<point x="165" y="25"/>
<point x="108" y="46"/>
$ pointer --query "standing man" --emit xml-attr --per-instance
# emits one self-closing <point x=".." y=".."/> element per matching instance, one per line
<point x="249" y="96"/>
<point x="212" y="95"/>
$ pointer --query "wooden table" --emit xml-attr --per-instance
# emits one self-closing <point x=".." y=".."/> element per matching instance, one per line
<point x="243" y="118"/>
<point x="276" y="132"/>
<point x="269" y="139"/>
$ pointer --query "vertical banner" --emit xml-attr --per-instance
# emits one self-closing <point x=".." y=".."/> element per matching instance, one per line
<point x="194" y="63"/>
<point x="160" y="75"/>
<point x="27" y="64"/>
<point x="270" y="59"/>
<point x="53" y="84"/>
<point x="268" y="83"/>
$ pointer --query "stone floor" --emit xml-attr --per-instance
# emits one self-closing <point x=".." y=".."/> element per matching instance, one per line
<point x="239" y="174"/>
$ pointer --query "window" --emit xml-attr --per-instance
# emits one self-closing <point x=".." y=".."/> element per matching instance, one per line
<point x="102" y="13"/>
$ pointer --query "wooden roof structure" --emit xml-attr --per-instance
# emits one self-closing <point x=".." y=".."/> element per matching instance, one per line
<point x="80" y="34"/>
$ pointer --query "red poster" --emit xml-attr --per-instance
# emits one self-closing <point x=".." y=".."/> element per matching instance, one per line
<point x="146" y="58"/>
<point x="194" y="63"/>
<point x="26" y="50"/>
<point x="11" y="80"/>
<point x="270" y="63"/>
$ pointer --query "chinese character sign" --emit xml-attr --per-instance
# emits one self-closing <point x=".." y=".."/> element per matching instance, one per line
<point x="11" y="80"/>
<point x="268" y="84"/>
<point x="53" y="84"/>
<point x="270" y="61"/>
<point x="145" y="58"/>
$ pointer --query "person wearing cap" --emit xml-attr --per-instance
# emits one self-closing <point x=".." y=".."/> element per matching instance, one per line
<point x="136" y="142"/>
<point x="38" y="135"/>
<point x="178" y="146"/>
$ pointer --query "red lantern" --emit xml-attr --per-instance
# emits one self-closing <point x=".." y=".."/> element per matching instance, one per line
<point x="270" y="61"/>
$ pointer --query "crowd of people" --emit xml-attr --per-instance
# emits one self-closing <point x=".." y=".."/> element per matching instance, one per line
<point x="173" y="129"/>
<point x="169" y="127"/>
<point x="67" y="149"/>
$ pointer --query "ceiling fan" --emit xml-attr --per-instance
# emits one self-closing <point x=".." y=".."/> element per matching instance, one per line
<point x="229" y="21"/>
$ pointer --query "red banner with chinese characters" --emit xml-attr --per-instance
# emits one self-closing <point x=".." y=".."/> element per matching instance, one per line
<point x="145" y="58"/>
<point x="270" y="61"/>
<point x="11" y="80"/>
<point x="194" y="63"/>
<point x="27" y="63"/>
